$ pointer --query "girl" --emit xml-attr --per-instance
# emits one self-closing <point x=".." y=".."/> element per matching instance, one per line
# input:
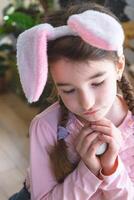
<point x="82" y="146"/>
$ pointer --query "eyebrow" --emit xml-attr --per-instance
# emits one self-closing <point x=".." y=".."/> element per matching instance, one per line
<point x="92" y="77"/>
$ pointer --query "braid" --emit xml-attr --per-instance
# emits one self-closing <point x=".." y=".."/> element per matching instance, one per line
<point x="64" y="113"/>
<point x="127" y="91"/>
<point x="59" y="156"/>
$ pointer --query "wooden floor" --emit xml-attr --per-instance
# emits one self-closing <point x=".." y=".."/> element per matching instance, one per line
<point x="15" y="117"/>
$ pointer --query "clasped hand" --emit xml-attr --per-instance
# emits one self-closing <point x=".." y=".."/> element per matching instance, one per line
<point x="91" y="136"/>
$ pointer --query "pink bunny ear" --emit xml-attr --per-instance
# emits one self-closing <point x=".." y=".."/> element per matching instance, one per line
<point x="98" y="29"/>
<point x="32" y="60"/>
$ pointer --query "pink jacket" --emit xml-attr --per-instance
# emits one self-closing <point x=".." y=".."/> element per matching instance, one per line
<point x="81" y="184"/>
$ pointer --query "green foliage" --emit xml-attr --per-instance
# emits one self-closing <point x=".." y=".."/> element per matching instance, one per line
<point x="16" y="19"/>
<point x="19" y="20"/>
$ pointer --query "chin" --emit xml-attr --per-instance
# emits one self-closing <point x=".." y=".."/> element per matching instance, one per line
<point x="94" y="118"/>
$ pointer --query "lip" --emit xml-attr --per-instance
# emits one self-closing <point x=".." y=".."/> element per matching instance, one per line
<point x="90" y="113"/>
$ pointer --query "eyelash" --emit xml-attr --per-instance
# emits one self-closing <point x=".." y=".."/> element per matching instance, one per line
<point x="98" y="84"/>
<point x="68" y="92"/>
<point x="94" y="84"/>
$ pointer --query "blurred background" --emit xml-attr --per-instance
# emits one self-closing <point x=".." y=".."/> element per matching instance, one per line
<point x="15" y="113"/>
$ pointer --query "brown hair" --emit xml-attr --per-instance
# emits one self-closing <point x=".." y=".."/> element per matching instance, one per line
<point x="75" y="49"/>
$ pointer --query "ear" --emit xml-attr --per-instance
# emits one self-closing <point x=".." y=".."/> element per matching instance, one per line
<point x="32" y="60"/>
<point x="120" y="65"/>
<point x="96" y="33"/>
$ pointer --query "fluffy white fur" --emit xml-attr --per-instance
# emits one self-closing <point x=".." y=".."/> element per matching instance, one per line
<point x="96" y="28"/>
<point x="32" y="60"/>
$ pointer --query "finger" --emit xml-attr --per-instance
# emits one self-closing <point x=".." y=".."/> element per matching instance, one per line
<point x="102" y="122"/>
<point x="102" y="129"/>
<point x="106" y="139"/>
<point x="93" y="148"/>
<point x="86" y="143"/>
<point x="83" y="133"/>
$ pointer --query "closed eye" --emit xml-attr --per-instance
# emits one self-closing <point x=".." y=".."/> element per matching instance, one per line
<point x="68" y="91"/>
<point x="98" y="84"/>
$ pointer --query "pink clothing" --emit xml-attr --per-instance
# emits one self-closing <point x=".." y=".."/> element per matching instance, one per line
<point x="81" y="184"/>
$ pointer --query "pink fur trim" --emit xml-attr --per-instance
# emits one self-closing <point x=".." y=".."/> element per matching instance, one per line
<point x="32" y="61"/>
<point x="98" y="29"/>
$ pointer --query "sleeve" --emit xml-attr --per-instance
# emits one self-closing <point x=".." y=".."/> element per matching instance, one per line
<point x="81" y="184"/>
<point x="117" y="186"/>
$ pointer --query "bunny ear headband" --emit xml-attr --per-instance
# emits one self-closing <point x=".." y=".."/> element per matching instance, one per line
<point x="98" y="29"/>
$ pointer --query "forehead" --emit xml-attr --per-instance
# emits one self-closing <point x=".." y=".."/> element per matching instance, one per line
<point x="64" y="68"/>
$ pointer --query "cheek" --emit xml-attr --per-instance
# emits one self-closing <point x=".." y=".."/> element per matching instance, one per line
<point x="70" y="102"/>
<point x="109" y="92"/>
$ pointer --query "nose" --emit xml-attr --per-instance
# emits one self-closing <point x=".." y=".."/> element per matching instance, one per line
<point x="87" y="100"/>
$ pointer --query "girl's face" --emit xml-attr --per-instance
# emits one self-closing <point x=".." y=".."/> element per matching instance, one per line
<point x="88" y="89"/>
